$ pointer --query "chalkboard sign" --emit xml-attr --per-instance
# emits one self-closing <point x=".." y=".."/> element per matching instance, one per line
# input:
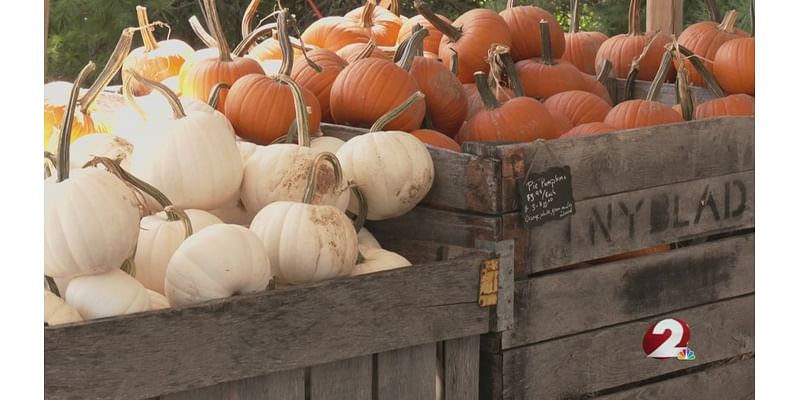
<point x="547" y="196"/>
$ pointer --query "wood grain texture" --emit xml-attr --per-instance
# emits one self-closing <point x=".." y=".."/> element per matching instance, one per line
<point x="608" y="294"/>
<point x="491" y="369"/>
<point x="342" y="380"/>
<point x="636" y="220"/>
<point x="461" y="181"/>
<point x="461" y="368"/>
<point x="665" y="16"/>
<point x="248" y="336"/>
<point x="503" y="314"/>
<point x="408" y="373"/>
<point x="430" y="224"/>
<point x="667" y="94"/>
<point x="284" y="385"/>
<point x="579" y="365"/>
<point x="731" y="381"/>
<point x="425" y="251"/>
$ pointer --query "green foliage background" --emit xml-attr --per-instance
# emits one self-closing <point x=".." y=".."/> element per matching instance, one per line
<point x="83" y="30"/>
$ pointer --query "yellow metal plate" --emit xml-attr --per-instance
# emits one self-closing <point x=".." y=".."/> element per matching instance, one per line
<point x="490" y="272"/>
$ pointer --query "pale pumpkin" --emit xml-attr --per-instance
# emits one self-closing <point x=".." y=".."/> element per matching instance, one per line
<point x="220" y="261"/>
<point x="106" y="295"/>
<point x="326" y="143"/>
<point x="57" y="312"/>
<point x="157" y="300"/>
<point x="100" y="145"/>
<point x="366" y="240"/>
<point x="376" y="260"/>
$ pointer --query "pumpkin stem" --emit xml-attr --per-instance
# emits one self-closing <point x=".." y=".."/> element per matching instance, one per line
<point x="634" y="27"/>
<point x="634" y="71"/>
<point x="201" y="33"/>
<point x="113" y="167"/>
<point x="300" y="110"/>
<point x="174" y="214"/>
<point x="385" y="119"/>
<point x="127" y="94"/>
<point x="454" y="61"/>
<point x="361" y="217"/>
<point x="661" y="75"/>
<point x="413" y="48"/>
<point x="489" y="101"/>
<point x="247" y="43"/>
<point x="367" y="16"/>
<point x="365" y="51"/>
<point x="394" y="7"/>
<point x="312" y="177"/>
<point x="547" y="46"/>
<point x="510" y="4"/>
<point x="112" y="66"/>
<point x="574" y="16"/>
<point x="51" y="285"/>
<point x="213" y="98"/>
<point x="172" y="99"/>
<point x="247" y="18"/>
<point x="501" y="55"/>
<point x="713" y="10"/>
<point x="707" y="76"/>
<point x="605" y="71"/>
<point x="684" y="95"/>
<point x="149" y="40"/>
<point x="215" y="26"/>
<point x="49" y="164"/>
<point x="287" y="52"/>
<point x="302" y="47"/>
<point x="66" y="123"/>
<point x="447" y="29"/>
<point x="728" y="22"/>
<point x="129" y="267"/>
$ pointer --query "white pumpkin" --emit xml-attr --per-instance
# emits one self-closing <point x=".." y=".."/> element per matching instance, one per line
<point x="366" y="240"/>
<point x="220" y="261"/>
<point x="159" y="237"/>
<point x="233" y="212"/>
<point x="192" y="159"/>
<point x="94" y="145"/>
<point x="326" y="143"/>
<point x="56" y="311"/>
<point x="394" y="169"/>
<point x="107" y="294"/>
<point x="157" y="300"/>
<point x="377" y="259"/>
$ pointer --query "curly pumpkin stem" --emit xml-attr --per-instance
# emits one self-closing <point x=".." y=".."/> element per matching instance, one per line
<point x="51" y="285"/>
<point x="482" y="83"/>
<point x="172" y="99"/>
<point x="116" y="169"/>
<point x="201" y="33"/>
<point x="127" y="94"/>
<point x="454" y="61"/>
<point x="574" y="16"/>
<point x="413" y="48"/>
<point x="547" y="45"/>
<point x="300" y="110"/>
<point x="213" y="98"/>
<point x="728" y="22"/>
<point x="311" y="184"/>
<point x="684" y="94"/>
<point x="66" y="123"/>
<point x="447" y="29"/>
<point x="149" y="40"/>
<point x="174" y="214"/>
<point x="250" y="40"/>
<point x="365" y="51"/>
<point x="215" y="26"/>
<point x="634" y="27"/>
<point x="287" y="52"/>
<point x="707" y="76"/>
<point x="367" y="16"/>
<point x="112" y="66"/>
<point x="661" y="75"/>
<point x="385" y="119"/>
<point x="361" y="217"/>
<point x="247" y="18"/>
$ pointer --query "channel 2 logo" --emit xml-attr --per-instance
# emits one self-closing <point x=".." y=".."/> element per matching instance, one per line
<point x="669" y="338"/>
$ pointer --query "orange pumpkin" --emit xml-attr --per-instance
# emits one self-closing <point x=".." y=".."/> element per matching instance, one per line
<point x="431" y="44"/>
<point x="622" y="49"/>
<point x="526" y="42"/>
<point x="333" y="33"/>
<point x="319" y="83"/>
<point x="561" y="123"/>
<point x="521" y="119"/>
<point x="588" y="129"/>
<point x="735" y="66"/>
<point x="436" y="139"/>
<point x="580" y="48"/>
<point x="155" y="60"/>
<point x="546" y="76"/>
<point x="592" y="85"/>
<point x="639" y="113"/>
<point x="579" y="106"/>
<point x="500" y="63"/>
<point x="704" y="39"/>
<point x="383" y="24"/>
<point x="356" y="51"/>
<point x="270" y="49"/>
<point x="471" y="36"/>
<point x="736" y="104"/>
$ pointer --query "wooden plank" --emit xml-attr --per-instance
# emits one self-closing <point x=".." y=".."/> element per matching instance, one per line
<point x="461" y="368"/>
<point x="491" y="371"/>
<point x="667" y="93"/>
<point x="255" y="335"/>
<point x="461" y="181"/>
<point x="503" y="315"/>
<point x="577" y="366"/>
<point x="589" y="298"/>
<point x="284" y="385"/>
<point x="620" y="223"/>
<point x="635" y="159"/>
<point x="665" y="16"/>
<point x="343" y="380"/>
<point x="429" y="224"/>
<point x="408" y="373"/>
<point x="425" y="251"/>
<point x="731" y="381"/>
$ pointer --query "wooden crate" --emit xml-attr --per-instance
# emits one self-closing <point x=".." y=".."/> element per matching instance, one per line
<point x="355" y="338"/>
<point x="578" y="326"/>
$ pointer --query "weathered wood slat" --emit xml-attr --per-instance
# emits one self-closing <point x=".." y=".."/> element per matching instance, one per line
<point x="343" y="380"/>
<point x="503" y="315"/>
<point x="624" y="222"/>
<point x="429" y="224"/>
<point x="665" y="16"/>
<point x="587" y="363"/>
<point x="425" y="251"/>
<point x="667" y="95"/>
<point x="491" y="368"/>
<point x="461" y="368"/>
<point x="603" y="295"/>
<point x="734" y="381"/>
<point x="284" y="385"/>
<point x="632" y="159"/>
<point x="182" y="349"/>
<point x="461" y="181"/>
<point x="408" y="373"/>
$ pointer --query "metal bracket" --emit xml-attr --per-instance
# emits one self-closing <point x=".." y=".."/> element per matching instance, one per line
<point x="490" y="273"/>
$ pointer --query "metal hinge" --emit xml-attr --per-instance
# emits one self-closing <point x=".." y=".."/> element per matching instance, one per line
<point x="490" y="273"/>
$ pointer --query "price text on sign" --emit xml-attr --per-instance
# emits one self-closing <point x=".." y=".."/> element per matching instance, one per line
<point x="547" y="196"/>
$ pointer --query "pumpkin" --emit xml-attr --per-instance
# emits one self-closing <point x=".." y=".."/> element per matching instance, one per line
<point x="393" y="169"/>
<point x="78" y="206"/>
<point x="366" y="240"/>
<point x="155" y="60"/>
<point x="580" y="48"/>
<point x="471" y="36"/>
<point x="333" y="33"/>
<point x="382" y="24"/>
<point x="735" y="104"/>
<point x="198" y="79"/>
<point x="431" y="43"/>
<point x="107" y="294"/>
<point x="377" y="260"/>
<point x="501" y="64"/>
<point x="356" y="51"/>
<point x="436" y="139"/>
<point x="220" y="261"/>
<point x="588" y="129"/>
<point x="735" y="66"/>
<point x="306" y="242"/>
<point x="326" y="143"/>
<point x="270" y="49"/>
<point x="193" y="159"/>
<point x="561" y="123"/>
<point x="596" y="87"/>
<point x="579" y="106"/>
<point x="57" y="312"/>
<point x="369" y="88"/>
<point x="319" y="83"/>
<point x="546" y="76"/>
<point x="523" y="23"/>
<point x="622" y="49"/>
<point x="100" y="145"/>
<point x="520" y="119"/>
<point x="704" y="39"/>
<point x="157" y="300"/>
